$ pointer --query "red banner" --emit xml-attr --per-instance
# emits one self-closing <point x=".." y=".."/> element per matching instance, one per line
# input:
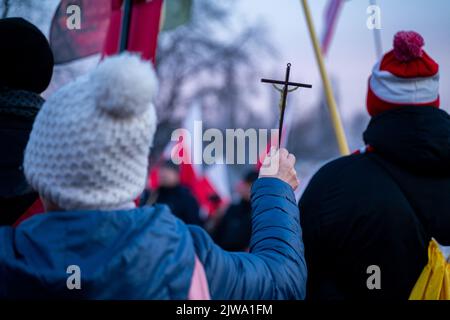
<point x="143" y="31"/>
<point x="70" y="43"/>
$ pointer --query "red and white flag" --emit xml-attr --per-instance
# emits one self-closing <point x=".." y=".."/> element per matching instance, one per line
<point x="143" y="31"/>
<point x="331" y="16"/>
<point x="71" y="44"/>
<point x="100" y="26"/>
<point x="210" y="187"/>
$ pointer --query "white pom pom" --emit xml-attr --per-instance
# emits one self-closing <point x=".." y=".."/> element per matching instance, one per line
<point x="124" y="85"/>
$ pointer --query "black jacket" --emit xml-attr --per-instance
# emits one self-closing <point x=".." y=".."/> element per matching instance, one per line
<point x="181" y="202"/>
<point x="234" y="231"/>
<point x="379" y="208"/>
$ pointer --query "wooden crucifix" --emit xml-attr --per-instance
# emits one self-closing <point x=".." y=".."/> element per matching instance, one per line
<point x="284" y="90"/>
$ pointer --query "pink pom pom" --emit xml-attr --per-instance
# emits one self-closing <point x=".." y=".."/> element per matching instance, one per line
<point x="408" y="45"/>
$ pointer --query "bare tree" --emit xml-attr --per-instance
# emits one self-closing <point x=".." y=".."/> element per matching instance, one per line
<point x="207" y="61"/>
<point x="210" y="59"/>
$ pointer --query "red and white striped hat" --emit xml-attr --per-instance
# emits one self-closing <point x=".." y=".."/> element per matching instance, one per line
<point x="405" y="76"/>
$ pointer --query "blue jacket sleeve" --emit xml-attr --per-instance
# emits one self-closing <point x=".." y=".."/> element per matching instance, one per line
<point x="275" y="267"/>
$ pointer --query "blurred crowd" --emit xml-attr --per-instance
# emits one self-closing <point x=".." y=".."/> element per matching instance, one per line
<point x="73" y="176"/>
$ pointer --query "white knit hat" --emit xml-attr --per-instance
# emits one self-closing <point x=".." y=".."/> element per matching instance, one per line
<point x="90" y="141"/>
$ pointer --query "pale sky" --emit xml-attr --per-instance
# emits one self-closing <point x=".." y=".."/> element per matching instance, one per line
<point x="352" y="53"/>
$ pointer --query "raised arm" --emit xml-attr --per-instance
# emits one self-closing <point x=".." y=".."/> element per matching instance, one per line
<point x="275" y="267"/>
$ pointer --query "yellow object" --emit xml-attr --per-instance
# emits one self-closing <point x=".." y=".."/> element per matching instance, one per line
<point x="335" y="118"/>
<point x="434" y="281"/>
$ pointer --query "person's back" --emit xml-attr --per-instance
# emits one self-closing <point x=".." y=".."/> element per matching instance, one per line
<point x="26" y="64"/>
<point x="107" y="247"/>
<point x="181" y="202"/>
<point x="180" y="199"/>
<point x="233" y="232"/>
<point x="368" y="218"/>
<point x="87" y="156"/>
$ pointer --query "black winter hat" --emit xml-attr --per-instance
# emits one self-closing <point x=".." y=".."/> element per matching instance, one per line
<point x="26" y="59"/>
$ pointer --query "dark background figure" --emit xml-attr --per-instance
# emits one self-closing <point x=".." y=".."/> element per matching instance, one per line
<point x="26" y="64"/>
<point x="180" y="199"/>
<point x="381" y="207"/>
<point x="234" y="230"/>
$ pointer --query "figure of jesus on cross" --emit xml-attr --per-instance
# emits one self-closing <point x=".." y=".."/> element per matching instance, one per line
<point x="284" y="92"/>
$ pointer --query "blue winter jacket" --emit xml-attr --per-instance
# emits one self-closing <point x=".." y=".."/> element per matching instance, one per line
<point x="147" y="253"/>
